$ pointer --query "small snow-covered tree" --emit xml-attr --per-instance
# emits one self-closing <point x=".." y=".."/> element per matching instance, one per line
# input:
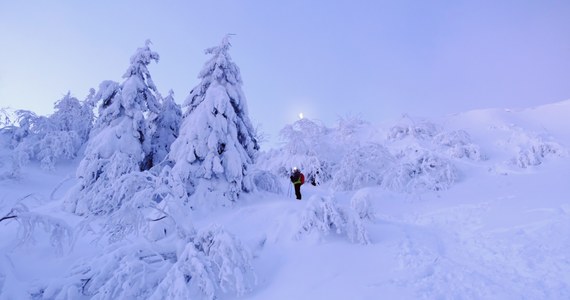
<point x="230" y="260"/>
<point x="127" y="272"/>
<point x="25" y="120"/>
<point x="7" y="119"/>
<point x="360" y="204"/>
<point x="49" y="139"/>
<point x="214" y="264"/>
<point x="532" y="149"/>
<point x="304" y="142"/>
<point x="536" y="152"/>
<point x="206" y="265"/>
<point x="217" y="143"/>
<point x="59" y="232"/>
<point x="72" y="115"/>
<point x="420" y="170"/>
<point x="306" y="146"/>
<point x="25" y="138"/>
<point x="408" y="127"/>
<point x="120" y="141"/>
<point x="265" y="181"/>
<point x="361" y="166"/>
<point x="352" y="130"/>
<point x="164" y="126"/>
<point x="458" y="144"/>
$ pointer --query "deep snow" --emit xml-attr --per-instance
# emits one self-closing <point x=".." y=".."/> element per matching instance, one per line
<point x="501" y="231"/>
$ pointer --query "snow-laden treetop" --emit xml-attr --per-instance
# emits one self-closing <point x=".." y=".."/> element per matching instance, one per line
<point x="222" y="69"/>
<point x="138" y="81"/>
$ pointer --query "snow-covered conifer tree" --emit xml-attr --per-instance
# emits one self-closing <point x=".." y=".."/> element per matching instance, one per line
<point x="217" y="143"/>
<point x="165" y="126"/>
<point x="120" y="141"/>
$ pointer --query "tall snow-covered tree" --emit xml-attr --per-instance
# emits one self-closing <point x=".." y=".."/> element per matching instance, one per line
<point x="217" y="143"/>
<point x="120" y="141"/>
<point x="164" y="126"/>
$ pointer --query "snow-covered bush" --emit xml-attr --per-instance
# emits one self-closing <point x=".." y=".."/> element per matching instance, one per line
<point x="217" y="143"/>
<point x="362" y="166"/>
<point x="230" y="260"/>
<point x="126" y="272"/>
<point x="127" y="200"/>
<point x="535" y="151"/>
<point x="265" y="181"/>
<point x="214" y="264"/>
<point x="457" y="144"/>
<point x="407" y="127"/>
<point x="188" y="278"/>
<point x="323" y="215"/>
<point x="60" y="234"/>
<point x="137" y="204"/>
<point x="360" y="204"/>
<point x="350" y="129"/>
<point x="420" y="170"/>
<point x="209" y="264"/>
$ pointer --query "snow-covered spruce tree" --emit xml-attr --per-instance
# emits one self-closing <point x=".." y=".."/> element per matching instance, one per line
<point x="217" y="143"/>
<point x="119" y="143"/>
<point x="164" y="126"/>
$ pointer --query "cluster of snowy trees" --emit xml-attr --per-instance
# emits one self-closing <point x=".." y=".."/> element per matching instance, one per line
<point x="145" y="165"/>
<point x="411" y="157"/>
<point x="50" y="139"/>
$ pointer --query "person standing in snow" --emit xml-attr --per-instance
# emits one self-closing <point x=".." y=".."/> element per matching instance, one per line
<point x="297" y="178"/>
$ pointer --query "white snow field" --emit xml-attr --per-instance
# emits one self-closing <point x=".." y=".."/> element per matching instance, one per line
<point x="485" y="216"/>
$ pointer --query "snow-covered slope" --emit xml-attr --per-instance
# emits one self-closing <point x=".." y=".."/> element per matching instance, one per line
<point x="500" y="230"/>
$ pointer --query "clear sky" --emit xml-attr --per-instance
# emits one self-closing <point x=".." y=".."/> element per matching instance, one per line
<point x="377" y="59"/>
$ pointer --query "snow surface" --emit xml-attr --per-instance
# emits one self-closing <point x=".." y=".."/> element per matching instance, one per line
<point x="499" y="230"/>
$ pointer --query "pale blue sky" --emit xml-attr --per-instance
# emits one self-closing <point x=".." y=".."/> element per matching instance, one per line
<point x="327" y="59"/>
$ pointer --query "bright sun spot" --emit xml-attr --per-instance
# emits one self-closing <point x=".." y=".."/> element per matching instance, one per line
<point x="300" y="115"/>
